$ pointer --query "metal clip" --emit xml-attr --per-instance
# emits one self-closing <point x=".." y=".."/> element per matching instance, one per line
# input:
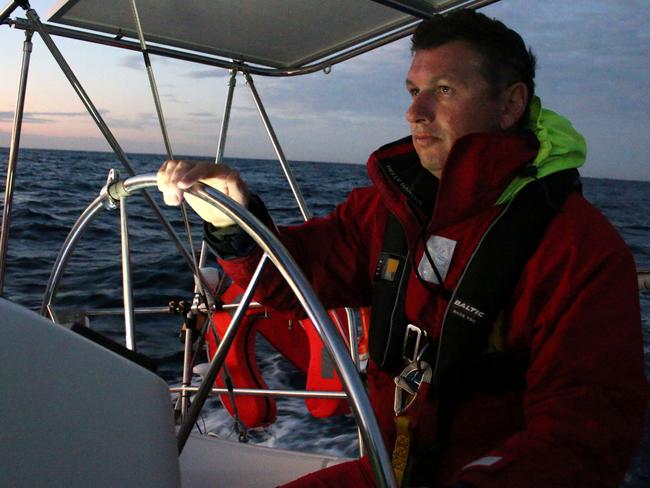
<point x="408" y="383"/>
<point x="109" y="202"/>
<point x="419" y="334"/>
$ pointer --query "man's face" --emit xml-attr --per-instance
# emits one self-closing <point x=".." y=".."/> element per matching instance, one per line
<point x="450" y="99"/>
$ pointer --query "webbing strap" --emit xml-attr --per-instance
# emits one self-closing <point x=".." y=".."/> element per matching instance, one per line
<point x="492" y="273"/>
<point x="485" y="288"/>
<point x="402" y="447"/>
<point x="387" y="323"/>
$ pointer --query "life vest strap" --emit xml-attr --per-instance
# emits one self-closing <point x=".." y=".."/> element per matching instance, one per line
<point x="402" y="448"/>
<point x="387" y="323"/>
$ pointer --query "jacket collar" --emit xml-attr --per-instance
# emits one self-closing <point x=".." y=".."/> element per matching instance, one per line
<point x="478" y="169"/>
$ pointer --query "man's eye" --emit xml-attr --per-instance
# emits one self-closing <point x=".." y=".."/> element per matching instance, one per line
<point x="413" y="92"/>
<point x="444" y="89"/>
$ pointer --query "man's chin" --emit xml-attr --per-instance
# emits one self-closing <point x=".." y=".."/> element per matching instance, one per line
<point x="433" y="167"/>
<point x="430" y="163"/>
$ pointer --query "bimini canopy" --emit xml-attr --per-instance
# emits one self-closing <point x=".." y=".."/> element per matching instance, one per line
<point x="272" y="33"/>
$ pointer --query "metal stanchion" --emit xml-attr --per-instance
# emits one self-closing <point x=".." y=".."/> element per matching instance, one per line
<point x="278" y="149"/>
<point x="127" y="288"/>
<point x="101" y="124"/>
<point x="13" y="156"/>
<point x="219" y="358"/>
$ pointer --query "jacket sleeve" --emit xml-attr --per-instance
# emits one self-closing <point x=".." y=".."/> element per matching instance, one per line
<point x="587" y="394"/>
<point x="331" y="251"/>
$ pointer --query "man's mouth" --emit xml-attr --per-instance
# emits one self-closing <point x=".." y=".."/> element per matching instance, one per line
<point x="424" y="139"/>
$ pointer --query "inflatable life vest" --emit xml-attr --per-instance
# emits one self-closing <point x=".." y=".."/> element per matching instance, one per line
<point x="296" y="340"/>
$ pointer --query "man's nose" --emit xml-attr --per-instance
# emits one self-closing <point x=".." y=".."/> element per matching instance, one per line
<point x="420" y="110"/>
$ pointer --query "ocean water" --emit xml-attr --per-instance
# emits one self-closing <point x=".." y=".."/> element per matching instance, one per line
<point x="52" y="189"/>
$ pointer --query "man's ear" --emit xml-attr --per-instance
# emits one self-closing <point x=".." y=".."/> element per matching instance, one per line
<point x="514" y="102"/>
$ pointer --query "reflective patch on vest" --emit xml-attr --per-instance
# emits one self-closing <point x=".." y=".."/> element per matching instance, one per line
<point x="484" y="461"/>
<point x="441" y="251"/>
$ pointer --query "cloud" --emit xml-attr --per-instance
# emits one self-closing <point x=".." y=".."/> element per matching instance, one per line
<point x="201" y="114"/>
<point x="137" y="121"/>
<point x="592" y="56"/>
<point x="379" y="90"/>
<point x="40" y="117"/>
<point x="136" y="61"/>
<point x="207" y="73"/>
<point x="171" y="97"/>
<point x="132" y="61"/>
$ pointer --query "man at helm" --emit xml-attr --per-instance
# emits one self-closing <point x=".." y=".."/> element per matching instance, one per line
<point x="556" y="396"/>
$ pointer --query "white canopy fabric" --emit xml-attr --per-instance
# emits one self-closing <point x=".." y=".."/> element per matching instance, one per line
<point x="272" y="33"/>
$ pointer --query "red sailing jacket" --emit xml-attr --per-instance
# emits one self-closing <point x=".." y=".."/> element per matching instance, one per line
<point x="574" y="312"/>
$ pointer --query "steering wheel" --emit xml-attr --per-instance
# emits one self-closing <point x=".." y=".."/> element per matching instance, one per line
<point x="274" y="252"/>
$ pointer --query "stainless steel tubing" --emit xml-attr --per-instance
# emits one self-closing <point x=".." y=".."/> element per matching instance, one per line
<point x="199" y="279"/>
<point x="415" y="10"/>
<point x="270" y="393"/>
<point x="352" y="330"/>
<point x="285" y="264"/>
<point x="99" y="121"/>
<point x="127" y="286"/>
<point x="223" y="132"/>
<point x="221" y="145"/>
<point x="8" y="10"/>
<point x="152" y="81"/>
<point x="13" y="157"/>
<point x="165" y="135"/>
<point x="354" y="352"/>
<point x="425" y="12"/>
<point x="66" y="250"/>
<point x="278" y="149"/>
<point x="187" y="371"/>
<point x="108" y="312"/>
<point x="219" y="358"/>
<point x="76" y="232"/>
<point x="306" y="68"/>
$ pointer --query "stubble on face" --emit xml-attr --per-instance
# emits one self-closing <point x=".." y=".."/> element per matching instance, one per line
<point x="450" y="99"/>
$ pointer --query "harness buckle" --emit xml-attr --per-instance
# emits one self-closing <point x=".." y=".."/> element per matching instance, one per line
<point x="408" y="383"/>
<point x="413" y="339"/>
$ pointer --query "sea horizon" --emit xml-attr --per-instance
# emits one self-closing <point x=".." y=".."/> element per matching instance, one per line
<point x="163" y="156"/>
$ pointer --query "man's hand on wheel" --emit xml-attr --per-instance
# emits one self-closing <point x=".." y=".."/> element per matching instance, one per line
<point x="176" y="176"/>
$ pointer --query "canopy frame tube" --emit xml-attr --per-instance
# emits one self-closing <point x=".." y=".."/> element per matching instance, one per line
<point x="325" y="60"/>
<point x="306" y="214"/>
<point x="12" y="164"/>
<point x="26" y="24"/>
<point x="101" y="124"/>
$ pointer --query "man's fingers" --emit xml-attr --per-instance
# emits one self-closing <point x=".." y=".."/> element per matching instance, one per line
<point x="171" y="194"/>
<point x="176" y="176"/>
<point x="187" y="177"/>
<point x="236" y="188"/>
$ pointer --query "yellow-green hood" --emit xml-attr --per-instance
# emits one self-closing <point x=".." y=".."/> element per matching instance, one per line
<point x="560" y="147"/>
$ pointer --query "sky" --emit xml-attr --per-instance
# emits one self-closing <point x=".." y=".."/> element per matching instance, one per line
<point x="593" y="67"/>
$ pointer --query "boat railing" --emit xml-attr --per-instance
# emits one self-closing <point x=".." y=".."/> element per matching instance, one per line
<point x="70" y="315"/>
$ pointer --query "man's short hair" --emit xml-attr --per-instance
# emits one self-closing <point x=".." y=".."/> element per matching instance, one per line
<point x="506" y="59"/>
